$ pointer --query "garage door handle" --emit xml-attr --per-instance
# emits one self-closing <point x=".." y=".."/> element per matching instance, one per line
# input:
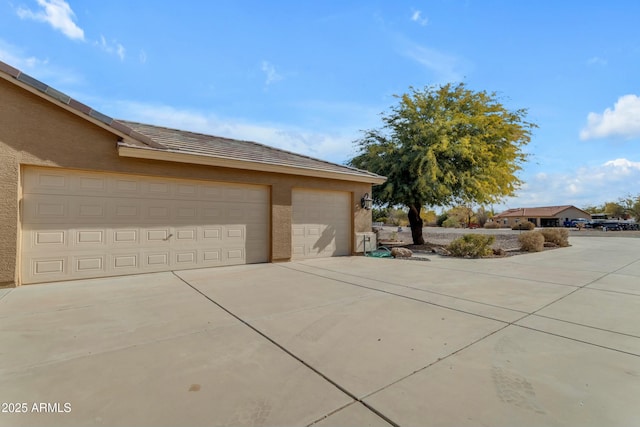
<point x="168" y="237"/>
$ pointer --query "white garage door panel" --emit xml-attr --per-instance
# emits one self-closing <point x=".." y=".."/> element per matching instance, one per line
<point x="82" y="224"/>
<point x="321" y="223"/>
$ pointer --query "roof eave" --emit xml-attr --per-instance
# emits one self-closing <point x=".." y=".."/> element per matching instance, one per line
<point x="180" y="157"/>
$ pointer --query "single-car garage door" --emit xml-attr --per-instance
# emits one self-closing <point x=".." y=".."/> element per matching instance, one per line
<point x="87" y="224"/>
<point x="321" y="223"/>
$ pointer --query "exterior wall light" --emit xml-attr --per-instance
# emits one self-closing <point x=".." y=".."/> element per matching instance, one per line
<point x="366" y="202"/>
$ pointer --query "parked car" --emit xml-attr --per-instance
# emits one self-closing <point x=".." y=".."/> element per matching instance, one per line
<point x="610" y="226"/>
<point x="614" y="225"/>
<point x="576" y="222"/>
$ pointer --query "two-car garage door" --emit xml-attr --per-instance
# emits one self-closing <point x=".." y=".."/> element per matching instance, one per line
<point x="86" y="224"/>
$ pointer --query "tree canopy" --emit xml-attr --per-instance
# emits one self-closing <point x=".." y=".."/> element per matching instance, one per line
<point x="625" y="207"/>
<point x="445" y="145"/>
<point x="632" y="206"/>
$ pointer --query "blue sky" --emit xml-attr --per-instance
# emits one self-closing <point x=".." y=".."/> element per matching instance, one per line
<point x="309" y="76"/>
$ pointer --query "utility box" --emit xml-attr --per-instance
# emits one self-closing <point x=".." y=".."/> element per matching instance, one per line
<point x="365" y="241"/>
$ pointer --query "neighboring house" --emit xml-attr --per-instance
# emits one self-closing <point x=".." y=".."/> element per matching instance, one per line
<point x="84" y="195"/>
<point x="546" y="216"/>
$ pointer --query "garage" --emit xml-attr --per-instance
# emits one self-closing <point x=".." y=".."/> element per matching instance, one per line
<point x="86" y="195"/>
<point x="321" y="223"/>
<point x="79" y="224"/>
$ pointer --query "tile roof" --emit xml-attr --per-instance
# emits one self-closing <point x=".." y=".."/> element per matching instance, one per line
<point x="142" y="136"/>
<point x="186" y="142"/>
<point x="543" y="211"/>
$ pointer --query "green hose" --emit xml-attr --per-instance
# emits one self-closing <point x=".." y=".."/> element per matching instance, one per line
<point x="381" y="252"/>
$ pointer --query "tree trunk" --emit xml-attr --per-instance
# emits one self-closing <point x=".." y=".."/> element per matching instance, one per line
<point x="415" y="222"/>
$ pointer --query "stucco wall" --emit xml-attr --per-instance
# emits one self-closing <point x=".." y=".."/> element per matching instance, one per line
<point x="33" y="131"/>
<point x="8" y="216"/>
<point x="573" y="213"/>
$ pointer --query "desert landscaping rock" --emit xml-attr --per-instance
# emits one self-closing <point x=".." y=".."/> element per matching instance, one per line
<point x="401" y="253"/>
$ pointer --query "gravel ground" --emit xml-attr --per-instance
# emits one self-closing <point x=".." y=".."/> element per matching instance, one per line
<point x="503" y="241"/>
<point x="506" y="239"/>
<point x="435" y="236"/>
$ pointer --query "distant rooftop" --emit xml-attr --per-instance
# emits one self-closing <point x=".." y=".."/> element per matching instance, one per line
<point x="543" y="211"/>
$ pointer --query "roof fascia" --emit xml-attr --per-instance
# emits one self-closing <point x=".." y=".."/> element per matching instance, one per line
<point x="172" y="156"/>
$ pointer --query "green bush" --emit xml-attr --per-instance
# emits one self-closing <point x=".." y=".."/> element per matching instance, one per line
<point x="451" y="222"/>
<point x="558" y="236"/>
<point x="531" y="241"/>
<point x="526" y="225"/>
<point x="492" y="224"/>
<point x="441" y="219"/>
<point x="472" y="245"/>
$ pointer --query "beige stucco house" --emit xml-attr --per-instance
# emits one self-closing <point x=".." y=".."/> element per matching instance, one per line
<point x="544" y="216"/>
<point x="84" y="195"/>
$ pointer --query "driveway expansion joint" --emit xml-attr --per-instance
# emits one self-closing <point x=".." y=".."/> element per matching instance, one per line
<point x="287" y="351"/>
<point x="579" y="340"/>
<point x="411" y="298"/>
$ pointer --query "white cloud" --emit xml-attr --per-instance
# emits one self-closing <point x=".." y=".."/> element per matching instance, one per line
<point x="60" y="16"/>
<point x="333" y="146"/>
<point x="143" y="57"/>
<point x="623" y="167"/>
<point x="621" y="121"/>
<point x="39" y="68"/>
<point x="56" y="13"/>
<point x="417" y="17"/>
<point x="112" y="47"/>
<point x="270" y="72"/>
<point x="446" y="67"/>
<point x="585" y="186"/>
<point x="10" y="55"/>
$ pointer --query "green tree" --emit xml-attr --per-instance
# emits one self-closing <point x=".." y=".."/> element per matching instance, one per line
<point x="593" y="209"/>
<point x="462" y="214"/>
<point x="445" y="145"/>
<point x="428" y="216"/>
<point x="452" y="222"/>
<point x="632" y="206"/>
<point x="379" y="213"/>
<point x="482" y="215"/>
<point x="614" y="209"/>
<point x="398" y="217"/>
<point x="440" y="219"/>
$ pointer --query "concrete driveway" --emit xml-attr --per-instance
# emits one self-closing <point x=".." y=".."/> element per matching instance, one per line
<point x="543" y="339"/>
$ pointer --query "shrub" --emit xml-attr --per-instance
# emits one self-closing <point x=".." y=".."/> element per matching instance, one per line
<point x="531" y="241"/>
<point x="441" y="218"/>
<point x="526" y="225"/>
<point x="492" y="224"/>
<point x="559" y="236"/>
<point x="451" y="222"/>
<point x="472" y="245"/>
